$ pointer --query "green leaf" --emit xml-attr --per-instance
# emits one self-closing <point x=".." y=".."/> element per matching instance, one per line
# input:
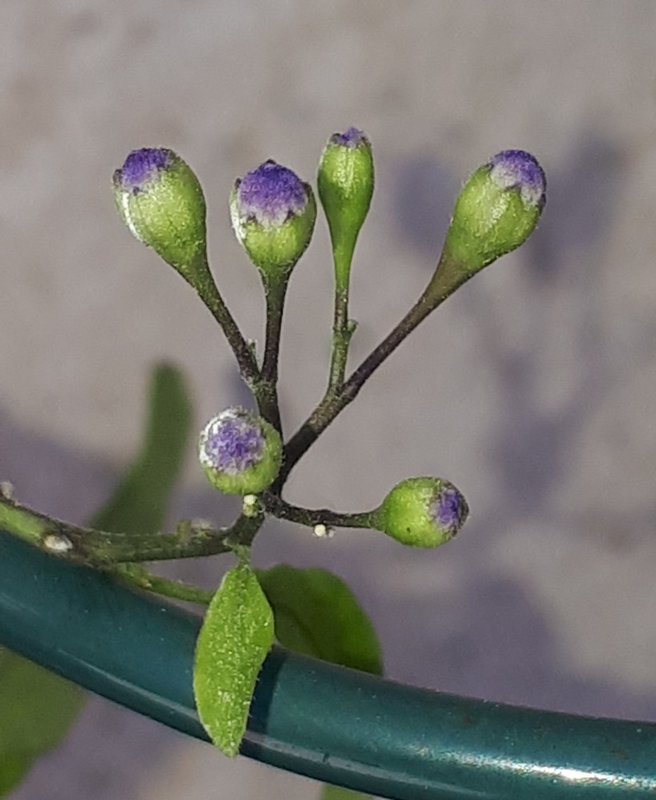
<point x="317" y="614"/>
<point x="236" y="635"/>
<point x="12" y="771"/>
<point x="141" y="499"/>
<point x="38" y="709"/>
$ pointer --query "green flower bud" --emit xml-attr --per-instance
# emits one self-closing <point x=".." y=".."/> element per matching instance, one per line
<point x="240" y="452"/>
<point x="273" y="214"/>
<point x="422" y="512"/>
<point x="346" y="184"/>
<point x="497" y="210"/>
<point x="161" y="201"/>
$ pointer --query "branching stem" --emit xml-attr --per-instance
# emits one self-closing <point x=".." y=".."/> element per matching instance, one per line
<point x="447" y="278"/>
<point x="102" y="549"/>
<point x="311" y="517"/>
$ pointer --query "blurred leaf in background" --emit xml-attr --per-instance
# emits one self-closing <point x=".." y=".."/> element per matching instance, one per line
<point x="140" y="501"/>
<point x="38" y="707"/>
<point x="318" y="615"/>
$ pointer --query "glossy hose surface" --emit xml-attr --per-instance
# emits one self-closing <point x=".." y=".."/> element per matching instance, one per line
<point x="312" y="718"/>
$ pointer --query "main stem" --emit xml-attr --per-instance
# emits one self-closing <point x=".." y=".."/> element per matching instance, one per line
<point x="104" y="549"/>
<point x="448" y="276"/>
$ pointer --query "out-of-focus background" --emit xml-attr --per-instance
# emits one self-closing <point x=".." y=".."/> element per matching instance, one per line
<point x="533" y="389"/>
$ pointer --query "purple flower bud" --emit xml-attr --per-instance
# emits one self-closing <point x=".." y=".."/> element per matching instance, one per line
<point x="240" y="452"/>
<point x="497" y="210"/>
<point x="231" y="443"/>
<point x="422" y="512"/>
<point x="273" y="214"/>
<point x="517" y="169"/>
<point x="270" y="195"/>
<point x="350" y="138"/>
<point x="161" y="201"/>
<point x="142" y="166"/>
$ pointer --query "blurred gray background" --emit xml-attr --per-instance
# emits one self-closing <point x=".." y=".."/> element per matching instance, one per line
<point x="533" y="389"/>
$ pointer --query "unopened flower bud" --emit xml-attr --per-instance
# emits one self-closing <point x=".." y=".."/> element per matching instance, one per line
<point x="240" y="452"/>
<point x="346" y="184"/>
<point x="273" y="214"/>
<point x="422" y="512"/>
<point x="161" y="201"/>
<point x="497" y="210"/>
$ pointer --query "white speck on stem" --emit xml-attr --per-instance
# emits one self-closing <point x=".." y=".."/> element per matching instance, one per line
<point x="249" y="505"/>
<point x="6" y="490"/>
<point x="201" y="523"/>
<point x="57" y="543"/>
<point x="322" y="531"/>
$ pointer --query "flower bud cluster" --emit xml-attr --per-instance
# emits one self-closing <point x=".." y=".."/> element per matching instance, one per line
<point x="273" y="214"/>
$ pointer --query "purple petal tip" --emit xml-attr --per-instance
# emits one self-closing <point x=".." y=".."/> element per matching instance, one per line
<point x="517" y="169"/>
<point x="231" y="443"/>
<point x="450" y="509"/>
<point x="271" y="194"/>
<point x="350" y="138"/>
<point x="141" y="166"/>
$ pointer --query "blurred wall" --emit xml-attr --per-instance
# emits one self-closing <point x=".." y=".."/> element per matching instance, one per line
<point x="533" y="388"/>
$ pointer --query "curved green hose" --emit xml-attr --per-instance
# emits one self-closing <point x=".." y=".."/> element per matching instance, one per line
<point x="313" y="718"/>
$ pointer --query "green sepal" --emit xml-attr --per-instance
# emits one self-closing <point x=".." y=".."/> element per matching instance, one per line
<point x="235" y="638"/>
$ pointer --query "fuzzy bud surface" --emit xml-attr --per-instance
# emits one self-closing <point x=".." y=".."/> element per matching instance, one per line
<point x="240" y="452"/>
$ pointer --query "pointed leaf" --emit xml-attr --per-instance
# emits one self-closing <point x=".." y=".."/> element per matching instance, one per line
<point x="236" y="635"/>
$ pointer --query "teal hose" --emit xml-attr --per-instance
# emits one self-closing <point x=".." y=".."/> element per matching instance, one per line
<point x="312" y="718"/>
